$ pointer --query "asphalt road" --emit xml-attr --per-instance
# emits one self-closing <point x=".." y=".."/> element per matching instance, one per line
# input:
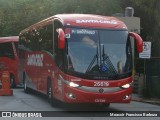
<point x="21" y="101"/>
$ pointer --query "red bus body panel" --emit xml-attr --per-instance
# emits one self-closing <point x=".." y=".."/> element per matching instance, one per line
<point x="39" y="72"/>
<point x="81" y="20"/>
<point x="9" y="39"/>
<point x="91" y="21"/>
<point x="91" y="94"/>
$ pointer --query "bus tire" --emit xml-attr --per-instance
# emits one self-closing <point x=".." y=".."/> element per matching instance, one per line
<point x="51" y="99"/>
<point x="26" y="89"/>
<point x="12" y="81"/>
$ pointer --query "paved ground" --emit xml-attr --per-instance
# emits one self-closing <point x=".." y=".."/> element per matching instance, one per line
<point x="139" y="98"/>
<point x="32" y="102"/>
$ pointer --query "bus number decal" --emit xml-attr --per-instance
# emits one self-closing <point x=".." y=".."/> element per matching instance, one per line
<point x="100" y="84"/>
<point x="35" y="60"/>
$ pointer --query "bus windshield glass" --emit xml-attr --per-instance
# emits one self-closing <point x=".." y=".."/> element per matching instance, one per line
<point x="99" y="53"/>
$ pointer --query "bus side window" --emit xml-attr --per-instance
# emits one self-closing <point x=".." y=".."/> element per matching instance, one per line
<point x="46" y="38"/>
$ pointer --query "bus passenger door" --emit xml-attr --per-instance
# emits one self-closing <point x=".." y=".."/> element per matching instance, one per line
<point x="21" y="55"/>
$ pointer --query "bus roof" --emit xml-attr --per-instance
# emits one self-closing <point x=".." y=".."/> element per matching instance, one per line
<point x="9" y="39"/>
<point x="82" y="20"/>
<point x="89" y="20"/>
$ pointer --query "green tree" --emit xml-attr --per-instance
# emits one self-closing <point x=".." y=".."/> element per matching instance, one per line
<point x="148" y="11"/>
<point x="15" y="15"/>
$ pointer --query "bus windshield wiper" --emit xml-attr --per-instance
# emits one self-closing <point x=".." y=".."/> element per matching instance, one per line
<point x="107" y="64"/>
<point x="93" y="61"/>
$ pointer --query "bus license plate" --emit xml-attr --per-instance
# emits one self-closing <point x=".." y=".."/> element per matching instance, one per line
<point x="100" y="100"/>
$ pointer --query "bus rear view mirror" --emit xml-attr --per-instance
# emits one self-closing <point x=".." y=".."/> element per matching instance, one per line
<point x="139" y="41"/>
<point x="61" y="39"/>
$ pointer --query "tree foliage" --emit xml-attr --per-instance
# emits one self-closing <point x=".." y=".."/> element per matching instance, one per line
<point x="149" y="12"/>
<point x="16" y="15"/>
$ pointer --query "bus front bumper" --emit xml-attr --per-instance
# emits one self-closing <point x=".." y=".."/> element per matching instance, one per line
<point x="76" y="95"/>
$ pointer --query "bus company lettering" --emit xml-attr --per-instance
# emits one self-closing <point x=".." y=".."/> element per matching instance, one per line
<point x="98" y="21"/>
<point x="35" y="60"/>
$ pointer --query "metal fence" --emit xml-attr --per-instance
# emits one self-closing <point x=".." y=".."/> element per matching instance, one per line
<point x="152" y="77"/>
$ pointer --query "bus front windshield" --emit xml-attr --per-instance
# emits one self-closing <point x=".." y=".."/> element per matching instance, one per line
<point x="99" y="54"/>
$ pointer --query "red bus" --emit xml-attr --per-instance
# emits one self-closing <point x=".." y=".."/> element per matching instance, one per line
<point x="9" y="58"/>
<point x="78" y="58"/>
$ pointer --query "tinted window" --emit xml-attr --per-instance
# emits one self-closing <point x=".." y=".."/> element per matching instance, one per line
<point x="6" y="50"/>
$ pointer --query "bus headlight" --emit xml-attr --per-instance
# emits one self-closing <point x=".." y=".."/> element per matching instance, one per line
<point x="72" y="84"/>
<point x="126" y="86"/>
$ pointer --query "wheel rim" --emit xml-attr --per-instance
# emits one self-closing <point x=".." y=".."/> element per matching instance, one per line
<point x="50" y="92"/>
<point x="25" y="86"/>
<point x="11" y="80"/>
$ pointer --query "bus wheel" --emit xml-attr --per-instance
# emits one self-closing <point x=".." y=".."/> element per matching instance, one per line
<point x="12" y="80"/>
<point x="51" y="99"/>
<point x="26" y="89"/>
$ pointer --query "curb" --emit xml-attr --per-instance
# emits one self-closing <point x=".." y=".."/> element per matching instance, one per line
<point x="150" y="101"/>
